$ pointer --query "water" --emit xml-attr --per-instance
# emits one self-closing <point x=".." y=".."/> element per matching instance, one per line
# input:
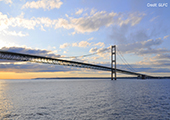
<point x="85" y="99"/>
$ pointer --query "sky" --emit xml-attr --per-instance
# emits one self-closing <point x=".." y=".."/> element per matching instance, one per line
<point x="67" y="28"/>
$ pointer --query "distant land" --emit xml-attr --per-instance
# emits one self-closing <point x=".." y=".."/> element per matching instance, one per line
<point x="101" y="78"/>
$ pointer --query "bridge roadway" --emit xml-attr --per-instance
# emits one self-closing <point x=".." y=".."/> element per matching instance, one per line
<point x="47" y="60"/>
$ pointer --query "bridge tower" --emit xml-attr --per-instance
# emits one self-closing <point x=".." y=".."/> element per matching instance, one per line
<point x="113" y="52"/>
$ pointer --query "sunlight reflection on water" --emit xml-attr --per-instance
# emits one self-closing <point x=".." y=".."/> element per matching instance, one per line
<point x="5" y="103"/>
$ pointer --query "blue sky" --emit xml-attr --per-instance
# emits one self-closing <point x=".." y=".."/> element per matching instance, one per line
<point x="62" y="28"/>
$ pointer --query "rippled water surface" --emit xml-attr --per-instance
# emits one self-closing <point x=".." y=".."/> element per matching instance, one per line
<point x="85" y="99"/>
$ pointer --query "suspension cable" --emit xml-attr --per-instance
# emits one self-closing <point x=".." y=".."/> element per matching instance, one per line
<point x="86" y="55"/>
<point x="106" y="49"/>
<point x="124" y="60"/>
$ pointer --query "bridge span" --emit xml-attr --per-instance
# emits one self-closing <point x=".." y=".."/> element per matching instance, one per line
<point x="48" y="60"/>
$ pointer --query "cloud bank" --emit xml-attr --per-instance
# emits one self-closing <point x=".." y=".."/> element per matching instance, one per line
<point x="31" y="51"/>
<point x="45" y="4"/>
<point x="84" y="24"/>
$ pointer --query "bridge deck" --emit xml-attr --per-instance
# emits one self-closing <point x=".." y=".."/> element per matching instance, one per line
<point x="41" y="59"/>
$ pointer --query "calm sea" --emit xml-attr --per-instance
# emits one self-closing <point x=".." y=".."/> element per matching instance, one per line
<point x="83" y="99"/>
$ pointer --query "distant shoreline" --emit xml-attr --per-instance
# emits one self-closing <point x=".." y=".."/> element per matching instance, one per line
<point x="101" y="78"/>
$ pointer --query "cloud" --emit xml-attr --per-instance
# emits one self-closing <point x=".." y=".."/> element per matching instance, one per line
<point x="73" y="33"/>
<point x="62" y="23"/>
<point x="152" y="51"/>
<point x="148" y="67"/>
<point x="7" y="44"/>
<point x="92" y="23"/>
<point x="90" y="38"/>
<point x="98" y="20"/>
<point x="151" y="20"/>
<point x="165" y="37"/>
<point x="151" y="70"/>
<point x="81" y="44"/>
<point x="127" y="34"/>
<point x="74" y="44"/>
<point x="64" y="45"/>
<point x="152" y="42"/>
<point x="92" y="50"/>
<point x="84" y="44"/>
<point x="34" y="67"/>
<point x="159" y="61"/>
<point x="139" y="41"/>
<point x="101" y="44"/>
<point x="20" y="21"/>
<point x="118" y="33"/>
<point x="31" y="51"/>
<point x="101" y="52"/>
<point x="142" y="47"/>
<point x="93" y="11"/>
<point x="153" y="67"/>
<point x="7" y="1"/>
<point x="132" y="18"/>
<point x="160" y="70"/>
<point x="162" y="56"/>
<point x="47" y="22"/>
<point x="14" y="33"/>
<point x="79" y="11"/>
<point x="45" y="4"/>
<point x="79" y="25"/>
<point x="4" y="22"/>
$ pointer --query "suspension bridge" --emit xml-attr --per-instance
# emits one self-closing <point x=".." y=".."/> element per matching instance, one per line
<point x="48" y="60"/>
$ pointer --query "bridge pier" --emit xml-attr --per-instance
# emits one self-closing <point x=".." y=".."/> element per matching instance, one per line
<point x="113" y="53"/>
<point x="142" y="76"/>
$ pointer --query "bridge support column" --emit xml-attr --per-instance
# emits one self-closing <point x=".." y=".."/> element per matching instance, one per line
<point x="113" y="61"/>
<point x="141" y="76"/>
